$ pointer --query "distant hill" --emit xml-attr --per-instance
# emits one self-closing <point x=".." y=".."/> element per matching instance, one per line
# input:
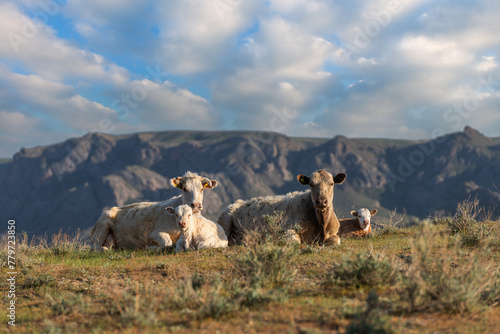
<point x="68" y="185"/>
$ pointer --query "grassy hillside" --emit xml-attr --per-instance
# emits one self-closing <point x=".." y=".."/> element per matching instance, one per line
<point x="436" y="276"/>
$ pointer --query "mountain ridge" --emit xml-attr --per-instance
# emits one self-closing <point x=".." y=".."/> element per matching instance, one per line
<point x="67" y="185"/>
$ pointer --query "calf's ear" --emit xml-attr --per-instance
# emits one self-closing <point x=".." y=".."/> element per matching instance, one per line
<point x="354" y="213"/>
<point x="373" y="212"/>
<point x="303" y="180"/>
<point x="177" y="182"/>
<point x="170" y="210"/>
<point x="339" y="178"/>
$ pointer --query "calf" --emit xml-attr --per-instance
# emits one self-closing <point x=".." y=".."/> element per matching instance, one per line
<point x="359" y="226"/>
<point x="197" y="232"/>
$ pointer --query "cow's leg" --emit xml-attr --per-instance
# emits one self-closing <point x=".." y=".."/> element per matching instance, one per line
<point x="109" y="242"/>
<point x="160" y="240"/>
<point x="291" y="236"/>
<point x="332" y="240"/>
<point x="102" y="229"/>
<point x="226" y="221"/>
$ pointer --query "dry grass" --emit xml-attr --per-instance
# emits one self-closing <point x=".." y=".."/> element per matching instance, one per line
<point x="419" y="279"/>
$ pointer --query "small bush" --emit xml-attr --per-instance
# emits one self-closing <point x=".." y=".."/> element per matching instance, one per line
<point x="265" y="264"/>
<point x="35" y="282"/>
<point x="464" y="224"/>
<point x="491" y="293"/>
<point x="442" y="278"/>
<point x="391" y="225"/>
<point x="206" y="297"/>
<point x="66" y="304"/>
<point x="363" y="269"/>
<point x="273" y="229"/>
<point x="373" y="320"/>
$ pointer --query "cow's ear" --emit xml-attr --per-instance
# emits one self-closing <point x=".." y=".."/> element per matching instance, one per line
<point x="170" y="210"/>
<point x="373" y="212"/>
<point x="209" y="184"/>
<point x="339" y="178"/>
<point x="354" y="213"/>
<point x="177" y="182"/>
<point x="303" y="180"/>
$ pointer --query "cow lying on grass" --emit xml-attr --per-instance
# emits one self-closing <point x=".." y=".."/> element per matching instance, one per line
<point x="359" y="226"/>
<point x="310" y="215"/>
<point x="147" y="224"/>
<point x="197" y="232"/>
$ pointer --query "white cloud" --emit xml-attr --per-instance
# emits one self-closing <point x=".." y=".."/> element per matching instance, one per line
<point x="286" y="66"/>
<point x="198" y="36"/>
<point x="53" y="101"/>
<point x="167" y="107"/>
<point x="283" y="73"/>
<point x="487" y="64"/>
<point x="36" y="46"/>
<point x="423" y="50"/>
<point x="16" y="123"/>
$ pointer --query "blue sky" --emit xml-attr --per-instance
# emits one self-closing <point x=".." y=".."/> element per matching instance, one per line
<point x="396" y="69"/>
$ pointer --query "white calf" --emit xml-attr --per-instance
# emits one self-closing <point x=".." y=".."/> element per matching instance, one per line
<point x="197" y="232"/>
<point x="359" y="226"/>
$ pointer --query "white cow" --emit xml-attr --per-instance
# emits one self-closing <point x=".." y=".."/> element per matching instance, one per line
<point x="147" y="224"/>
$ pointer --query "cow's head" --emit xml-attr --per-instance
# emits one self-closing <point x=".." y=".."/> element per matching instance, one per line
<point x="364" y="216"/>
<point x="183" y="214"/>
<point x="321" y="183"/>
<point x="192" y="186"/>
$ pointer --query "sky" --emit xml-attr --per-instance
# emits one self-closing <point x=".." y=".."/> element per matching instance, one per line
<point x="409" y="69"/>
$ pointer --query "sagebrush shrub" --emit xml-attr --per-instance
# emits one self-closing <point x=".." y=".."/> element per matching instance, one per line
<point x="363" y="269"/>
<point x="266" y="264"/>
<point x="464" y="223"/>
<point x="443" y="278"/>
<point x="374" y="319"/>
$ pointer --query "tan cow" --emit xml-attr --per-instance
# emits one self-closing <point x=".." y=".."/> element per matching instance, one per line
<point x="311" y="211"/>
<point x="147" y="223"/>
<point x="197" y="232"/>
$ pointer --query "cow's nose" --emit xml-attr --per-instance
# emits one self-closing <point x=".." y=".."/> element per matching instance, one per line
<point x="196" y="206"/>
<point x="367" y="222"/>
<point x="321" y="202"/>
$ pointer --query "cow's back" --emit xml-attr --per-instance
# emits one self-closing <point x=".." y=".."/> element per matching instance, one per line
<point x="134" y="223"/>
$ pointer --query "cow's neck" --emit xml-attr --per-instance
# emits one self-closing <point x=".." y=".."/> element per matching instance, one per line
<point x="328" y="221"/>
<point x="188" y="235"/>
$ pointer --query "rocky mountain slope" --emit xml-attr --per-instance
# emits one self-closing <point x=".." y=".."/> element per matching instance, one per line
<point x="67" y="185"/>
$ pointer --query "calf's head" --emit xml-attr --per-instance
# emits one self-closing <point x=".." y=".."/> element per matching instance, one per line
<point x="192" y="186"/>
<point x="183" y="214"/>
<point x="321" y="183"/>
<point x="364" y="216"/>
